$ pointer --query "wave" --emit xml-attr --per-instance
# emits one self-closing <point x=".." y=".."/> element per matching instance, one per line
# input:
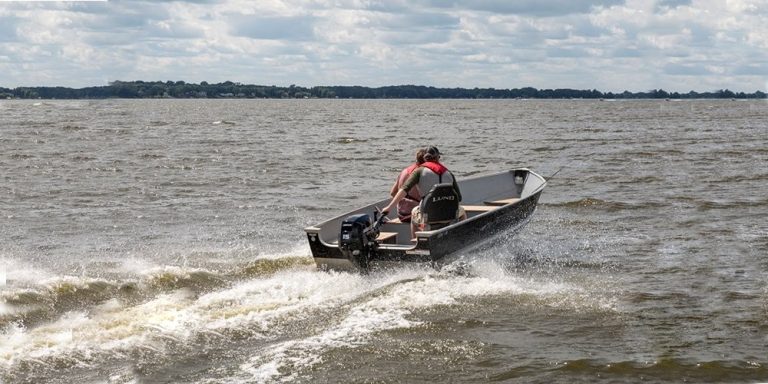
<point x="343" y="121"/>
<point x="705" y="205"/>
<point x="741" y="178"/>
<point x="610" y="206"/>
<point x="641" y="180"/>
<point x="711" y="205"/>
<point x="53" y="297"/>
<point x="348" y="140"/>
<point x="651" y="154"/>
<point x="173" y="322"/>
<point x="269" y="266"/>
<point x="640" y="297"/>
<point x="83" y="158"/>
<point x="697" y="203"/>
<point x="151" y="156"/>
<point x="21" y="156"/>
<point x="667" y="369"/>
<point x="396" y="303"/>
<point x="72" y="128"/>
<point x="294" y="313"/>
<point x="548" y="149"/>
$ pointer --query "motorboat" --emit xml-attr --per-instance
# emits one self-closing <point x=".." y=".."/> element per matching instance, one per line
<point x="499" y="203"/>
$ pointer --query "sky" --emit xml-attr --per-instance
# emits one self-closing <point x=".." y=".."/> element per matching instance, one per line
<point x="608" y="45"/>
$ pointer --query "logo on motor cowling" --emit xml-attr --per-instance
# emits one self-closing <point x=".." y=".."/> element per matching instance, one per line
<point x="442" y="198"/>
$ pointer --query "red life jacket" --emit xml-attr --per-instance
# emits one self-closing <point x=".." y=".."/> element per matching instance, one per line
<point x="405" y="173"/>
<point x="435" y="167"/>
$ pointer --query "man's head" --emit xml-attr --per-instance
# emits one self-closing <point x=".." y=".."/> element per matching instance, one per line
<point x="431" y="154"/>
<point x="420" y="155"/>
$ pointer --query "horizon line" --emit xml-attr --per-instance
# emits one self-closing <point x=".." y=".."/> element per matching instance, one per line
<point x="238" y="83"/>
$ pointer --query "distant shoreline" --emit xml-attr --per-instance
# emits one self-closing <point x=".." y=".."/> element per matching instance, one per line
<point x="231" y="90"/>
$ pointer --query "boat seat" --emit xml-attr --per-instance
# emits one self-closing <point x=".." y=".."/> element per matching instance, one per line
<point x="387" y="237"/>
<point x="503" y="201"/>
<point x="478" y="208"/>
<point x="396" y="220"/>
<point x="439" y="207"/>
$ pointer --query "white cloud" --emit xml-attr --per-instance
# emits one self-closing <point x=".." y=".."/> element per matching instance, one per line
<point x="611" y="45"/>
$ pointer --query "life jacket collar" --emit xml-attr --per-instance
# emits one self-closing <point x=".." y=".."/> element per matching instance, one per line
<point x="411" y="168"/>
<point x="435" y="167"/>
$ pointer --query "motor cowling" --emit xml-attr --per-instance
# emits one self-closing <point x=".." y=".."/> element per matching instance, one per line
<point x="357" y="239"/>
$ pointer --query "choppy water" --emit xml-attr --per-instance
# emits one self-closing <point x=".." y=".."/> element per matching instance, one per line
<point x="160" y="241"/>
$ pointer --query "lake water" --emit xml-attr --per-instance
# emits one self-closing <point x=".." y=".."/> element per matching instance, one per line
<point x="152" y="241"/>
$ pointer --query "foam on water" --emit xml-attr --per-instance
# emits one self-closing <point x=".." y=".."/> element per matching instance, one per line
<point x="395" y="306"/>
<point x="355" y="307"/>
<point x="32" y="296"/>
<point x="298" y="249"/>
<point x="114" y="329"/>
<point x="14" y="272"/>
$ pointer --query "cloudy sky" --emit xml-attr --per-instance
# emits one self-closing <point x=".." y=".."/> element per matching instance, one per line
<point x="610" y="45"/>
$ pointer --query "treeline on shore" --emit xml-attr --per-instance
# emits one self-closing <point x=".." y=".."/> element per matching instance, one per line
<point x="228" y="89"/>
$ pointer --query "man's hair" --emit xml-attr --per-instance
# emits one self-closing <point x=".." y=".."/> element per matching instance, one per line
<point x="420" y="155"/>
<point x="431" y="153"/>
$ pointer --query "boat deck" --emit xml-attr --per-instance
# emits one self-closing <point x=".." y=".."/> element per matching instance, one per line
<point x="395" y="232"/>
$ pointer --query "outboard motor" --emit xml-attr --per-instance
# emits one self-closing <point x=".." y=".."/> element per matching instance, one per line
<point x="357" y="239"/>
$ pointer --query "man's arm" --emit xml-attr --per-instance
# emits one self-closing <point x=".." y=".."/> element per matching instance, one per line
<point x="393" y="190"/>
<point x="399" y="196"/>
<point x="456" y="186"/>
<point x="412" y="180"/>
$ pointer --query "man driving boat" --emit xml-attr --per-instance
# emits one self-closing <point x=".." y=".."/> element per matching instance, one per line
<point x="430" y="174"/>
